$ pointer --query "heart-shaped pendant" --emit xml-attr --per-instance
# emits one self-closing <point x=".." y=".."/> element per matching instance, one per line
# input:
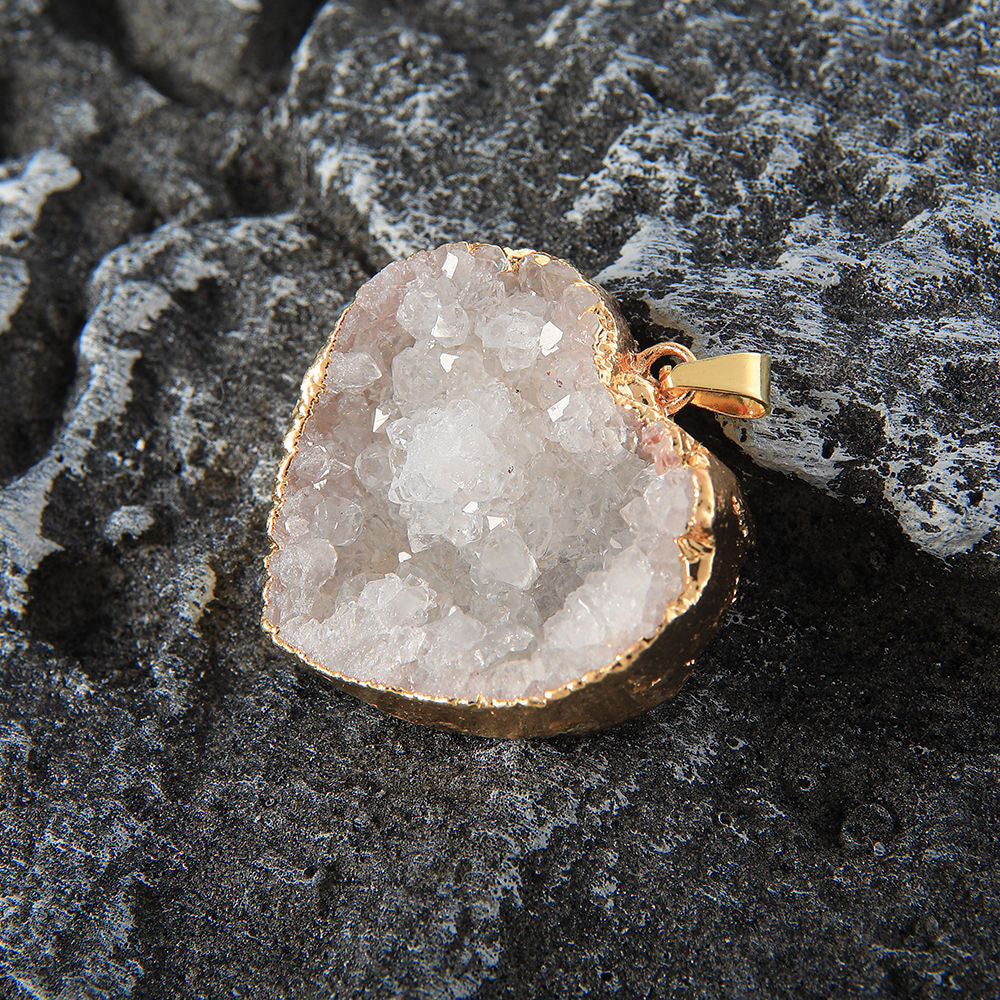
<point x="486" y="519"/>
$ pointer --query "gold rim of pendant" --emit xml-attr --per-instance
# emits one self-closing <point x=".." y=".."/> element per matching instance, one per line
<point x="655" y="666"/>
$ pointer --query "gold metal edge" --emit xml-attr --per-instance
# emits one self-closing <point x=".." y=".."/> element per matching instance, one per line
<point x="655" y="666"/>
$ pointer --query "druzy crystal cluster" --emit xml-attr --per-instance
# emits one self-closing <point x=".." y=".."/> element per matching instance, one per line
<point x="468" y="512"/>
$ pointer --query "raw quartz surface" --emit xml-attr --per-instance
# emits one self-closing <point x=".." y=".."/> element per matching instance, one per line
<point x="469" y="513"/>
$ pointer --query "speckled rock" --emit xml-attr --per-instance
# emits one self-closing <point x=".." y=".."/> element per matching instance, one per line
<point x="817" y="181"/>
<point x="218" y="51"/>
<point x="185" y="814"/>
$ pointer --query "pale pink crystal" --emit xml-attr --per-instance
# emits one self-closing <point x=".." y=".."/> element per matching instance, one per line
<point x="656" y="446"/>
<point x="469" y="512"/>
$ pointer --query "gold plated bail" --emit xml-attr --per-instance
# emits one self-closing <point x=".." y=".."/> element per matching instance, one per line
<point x="738" y="385"/>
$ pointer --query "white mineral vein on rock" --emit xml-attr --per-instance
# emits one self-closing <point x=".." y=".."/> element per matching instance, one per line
<point x="127" y="306"/>
<point x="23" y="194"/>
<point x="25" y="186"/>
<point x="467" y="513"/>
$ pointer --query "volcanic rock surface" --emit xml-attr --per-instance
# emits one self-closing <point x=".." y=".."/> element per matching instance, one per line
<point x="184" y="812"/>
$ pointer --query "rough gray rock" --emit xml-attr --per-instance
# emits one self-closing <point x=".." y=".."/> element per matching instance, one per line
<point x="30" y="388"/>
<point x="185" y="813"/>
<point x="221" y="51"/>
<point x="816" y="181"/>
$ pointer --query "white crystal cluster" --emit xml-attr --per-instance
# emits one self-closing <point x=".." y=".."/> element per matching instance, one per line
<point x="467" y="512"/>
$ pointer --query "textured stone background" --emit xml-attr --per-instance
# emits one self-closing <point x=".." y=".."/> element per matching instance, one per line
<point x="189" y="193"/>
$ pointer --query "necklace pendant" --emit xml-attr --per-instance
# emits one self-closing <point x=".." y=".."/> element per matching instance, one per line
<point x="486" y="519"/>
